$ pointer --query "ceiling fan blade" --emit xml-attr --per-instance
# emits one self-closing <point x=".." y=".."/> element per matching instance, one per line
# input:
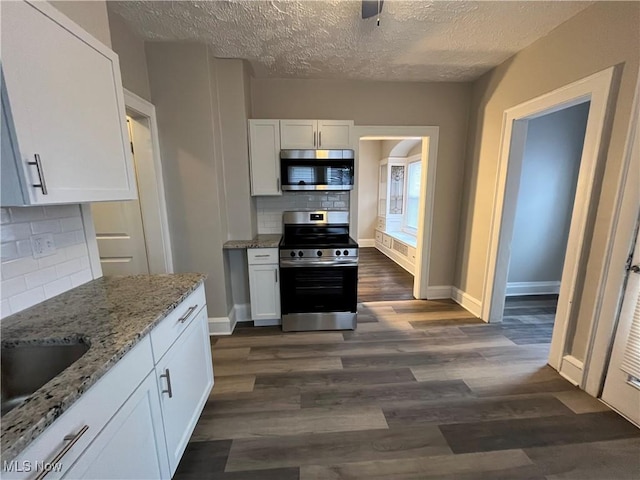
<point x="370" y="8"/>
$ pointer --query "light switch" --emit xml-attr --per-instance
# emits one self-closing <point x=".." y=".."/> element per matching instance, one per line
<point x="43" y="245"/>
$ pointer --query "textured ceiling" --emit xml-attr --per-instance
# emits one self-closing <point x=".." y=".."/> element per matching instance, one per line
<point x="416" y="40"/>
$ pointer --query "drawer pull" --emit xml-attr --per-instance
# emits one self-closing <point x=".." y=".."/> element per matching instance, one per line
<point x="166" y="375"/>
<point x="183" y="318"/>
<point x="262" y="255"/>
<point x="38" y="165"/>
<point x="72" y="439"/>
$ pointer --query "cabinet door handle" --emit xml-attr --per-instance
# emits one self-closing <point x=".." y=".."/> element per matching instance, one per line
<point x="278" y="184"/>
<point x="183" y="318"/>
<point x="167" y="375"/>
<point x="314" y="139"/>
<point x="320" y="138"/>
<point x="42" y="184"/>
<point x="276" y="272"/>
<point x="72" y="440"/>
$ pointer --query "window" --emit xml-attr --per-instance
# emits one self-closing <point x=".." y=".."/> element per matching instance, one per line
<point x="414" y="176"/>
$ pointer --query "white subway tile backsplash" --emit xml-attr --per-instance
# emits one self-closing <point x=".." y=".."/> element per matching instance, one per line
<point x="13" y="286"/>
<point x="15" y="231"/>
<point x="40" y="277"/>
<point x="57" y="287"/>
<point x="46" y="226"/>
<point x="27" y="281"/>
<point x="4" y="216"/>
<point x="71" y="224"/>
<point x="270" y="208"/>
<point x="21" y="266"/>
<point x="26" y="299"/>
<point x="8" y="251"/>
<point x="26" y="214"/>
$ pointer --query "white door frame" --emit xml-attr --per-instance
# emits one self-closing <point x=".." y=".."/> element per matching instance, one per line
<point x="595" y="89"/>
<point x="150" y="194"/>
<point x="619" y="244"/>
<point x="425" y="213"/>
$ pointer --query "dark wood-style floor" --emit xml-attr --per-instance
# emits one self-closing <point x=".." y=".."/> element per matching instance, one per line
<point x="422" y="390"/>
<point x="380" y="278"/>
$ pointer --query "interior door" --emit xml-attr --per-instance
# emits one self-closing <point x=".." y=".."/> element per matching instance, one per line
<point x="120" y="233"/>
<point x="622" y="385"/>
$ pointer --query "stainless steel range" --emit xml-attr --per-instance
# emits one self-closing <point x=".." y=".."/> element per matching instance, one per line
<point x="318" y="271"/>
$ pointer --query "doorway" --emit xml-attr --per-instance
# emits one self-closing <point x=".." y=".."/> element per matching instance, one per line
<point x="384" y="203"/>
<point x="133" y="236"/>
<point x="595" y="91"/>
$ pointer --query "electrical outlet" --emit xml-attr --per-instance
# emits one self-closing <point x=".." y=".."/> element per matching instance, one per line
<point x="42" y="245"/>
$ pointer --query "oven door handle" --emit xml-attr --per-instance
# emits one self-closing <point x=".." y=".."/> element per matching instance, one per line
<point x="286" y="263"/>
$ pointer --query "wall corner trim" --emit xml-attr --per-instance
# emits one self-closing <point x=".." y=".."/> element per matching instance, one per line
<point x="366" y="242"/>
<point x="439" y="292"/>
<point x="572" y="369"/>
<point x="226" y="325"/>
<point x="466" y="301"/>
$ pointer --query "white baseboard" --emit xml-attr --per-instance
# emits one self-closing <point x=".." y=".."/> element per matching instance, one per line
<point x="572" y="369"/>
<point x="226" y="325"/>
<point x="267" y="323"/>
<point x="366" y="242"/>
<point x="532" y="288"/>
<point x="439" y="292"/>
<point x="466" y="301"/>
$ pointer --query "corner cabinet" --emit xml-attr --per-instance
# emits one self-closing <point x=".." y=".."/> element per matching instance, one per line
<point x="264" y="157"/>
<point x="62" y="99"/>
<point x="264" y="286"/>
<point x="316" y="134"/>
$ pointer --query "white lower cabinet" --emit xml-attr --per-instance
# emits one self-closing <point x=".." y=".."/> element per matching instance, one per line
<point x="264" y="286"/>
<point x="135" y="422"/>
<point x="185" y="378"/>
<point x="132" y="445"/>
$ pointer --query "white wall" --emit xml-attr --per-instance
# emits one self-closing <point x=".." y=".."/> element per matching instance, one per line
<point x="368" y="167"/>
<point x="545" y="199"/>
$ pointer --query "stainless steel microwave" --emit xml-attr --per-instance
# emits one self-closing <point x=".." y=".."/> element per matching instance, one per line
<point x="316" y="169"/>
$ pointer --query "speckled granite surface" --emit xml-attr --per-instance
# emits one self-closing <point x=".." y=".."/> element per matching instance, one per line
<point x="111" y="314"/>
<point x="261" y="241"/>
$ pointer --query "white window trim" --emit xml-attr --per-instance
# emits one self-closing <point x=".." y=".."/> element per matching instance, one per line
<point x="406" y="228"/>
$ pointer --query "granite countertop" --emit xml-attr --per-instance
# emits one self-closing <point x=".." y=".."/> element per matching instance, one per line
<point x="265" y="240"/>
<point x="111" y="314"/>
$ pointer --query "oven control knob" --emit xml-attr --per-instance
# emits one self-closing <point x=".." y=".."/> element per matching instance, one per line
<point x="319" y="253"/>
<point x="300" y="253"/>
<point x="338" y="252"/>
<point x="346" y="252"/>
<point x="293" y="254"/>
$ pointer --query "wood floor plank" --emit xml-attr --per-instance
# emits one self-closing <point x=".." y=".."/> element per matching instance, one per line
<point x="336" y="448"/>
<point x="386" y="395"/>
<point x="404" y="359"/>
<point x="236" y="367"/>
<point x="300" y="338"/>
<point x="420" y="467"/>
<point x="465" y="411"/>
<point x="542" y="380"/>
<point x="232" y="384"/>
<point x="536" y="432"/>
<point x="472" y="370"/>
<point x="323" y="379"/>
<point x="219" y="353"/>
<point x="279" y="400"/>
<point x="616" y="459"/>
<point x="580" y="402"/>
<point x="212" y="426"/>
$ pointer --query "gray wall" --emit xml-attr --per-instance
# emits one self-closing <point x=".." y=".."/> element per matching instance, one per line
<point x="603" y="35"/>
<point x="180" y="77"/>
<point x="133" y="61"/>
<point x="368" y="167"/>
<point x="545" y="199"/>
<point x="389" y="103"/>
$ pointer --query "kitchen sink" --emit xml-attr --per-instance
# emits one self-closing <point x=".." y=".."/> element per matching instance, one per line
<point x="25" y="368"/>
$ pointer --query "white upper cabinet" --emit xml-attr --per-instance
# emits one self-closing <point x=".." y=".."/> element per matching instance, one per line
<point x="264" y="157"/>
<point x="63" y="98"/>
<point x="318" y="134"/>
<point x="335" y="134"/>
<point x="298" y="134"/>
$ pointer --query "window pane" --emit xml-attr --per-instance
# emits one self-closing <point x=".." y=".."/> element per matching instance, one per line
<point x="413" y="193"/>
